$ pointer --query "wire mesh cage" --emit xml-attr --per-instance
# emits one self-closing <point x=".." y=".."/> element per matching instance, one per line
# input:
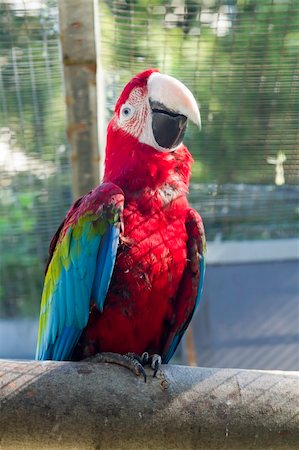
<point x="34" y="162"/>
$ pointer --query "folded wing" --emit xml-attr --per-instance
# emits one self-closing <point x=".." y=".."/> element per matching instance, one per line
<point x="190" y="288"/>
<point x="82" y="258"/>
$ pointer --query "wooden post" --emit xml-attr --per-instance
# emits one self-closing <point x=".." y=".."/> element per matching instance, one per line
<point x="64" y="405"/>
<point x="79" y="51"/>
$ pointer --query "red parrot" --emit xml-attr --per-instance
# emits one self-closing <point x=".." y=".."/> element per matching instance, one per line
<point x="126" y="266"/>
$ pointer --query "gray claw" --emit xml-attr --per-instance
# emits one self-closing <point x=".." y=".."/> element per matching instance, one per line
<point x="156" y="362"/>
<point x="145" y="358"/>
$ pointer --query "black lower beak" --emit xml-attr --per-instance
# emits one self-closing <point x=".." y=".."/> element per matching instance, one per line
<point x="168" y="127"/>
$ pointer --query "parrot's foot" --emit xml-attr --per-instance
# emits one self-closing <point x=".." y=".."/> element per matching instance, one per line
<point x="154" y="361"/>
<point x="130" y="361"/>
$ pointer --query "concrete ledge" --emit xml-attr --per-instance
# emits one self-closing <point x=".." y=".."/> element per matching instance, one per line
<point x="271" y="250"/>
<point x="98" y="406"/>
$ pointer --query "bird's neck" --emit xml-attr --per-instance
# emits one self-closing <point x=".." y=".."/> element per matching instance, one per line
<point x="136" y="167"/>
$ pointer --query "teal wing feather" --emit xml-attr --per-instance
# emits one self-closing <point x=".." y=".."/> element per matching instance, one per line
<point x="82" y="259"/>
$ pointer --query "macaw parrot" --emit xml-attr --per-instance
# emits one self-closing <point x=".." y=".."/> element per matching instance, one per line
<point x="126" y="266"/>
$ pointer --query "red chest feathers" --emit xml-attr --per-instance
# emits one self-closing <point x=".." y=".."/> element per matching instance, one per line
<point x="152" y="256"/>
<point x="148" y="269"/>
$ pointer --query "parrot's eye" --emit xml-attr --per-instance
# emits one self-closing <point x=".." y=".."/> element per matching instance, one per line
<point x="126" y="112"/>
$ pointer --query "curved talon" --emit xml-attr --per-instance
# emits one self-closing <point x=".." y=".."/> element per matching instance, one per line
<point x="139" y="367"/>
<point x="145" y="358"/>
<point x="156" y="362"/>
<point x="135" y="365"/>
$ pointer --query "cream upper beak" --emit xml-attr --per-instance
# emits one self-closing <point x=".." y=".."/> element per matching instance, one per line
<point x="174" y="95"/>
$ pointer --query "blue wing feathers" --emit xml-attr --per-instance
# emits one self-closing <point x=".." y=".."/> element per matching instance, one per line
<point x="84" y="272"/>
<point x="172" y="348"/>
<point x="104" y="266"/>
<point x="65" y="344"/>
<point x="202" y="266"/>
<point x="61" y="308"/>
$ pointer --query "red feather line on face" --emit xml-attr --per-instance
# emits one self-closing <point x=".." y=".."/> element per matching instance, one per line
<point x="140" y="80"/>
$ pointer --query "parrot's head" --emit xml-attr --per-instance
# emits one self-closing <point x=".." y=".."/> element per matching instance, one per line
<point x="155" y="108"/>
<point x="145" y="135"/>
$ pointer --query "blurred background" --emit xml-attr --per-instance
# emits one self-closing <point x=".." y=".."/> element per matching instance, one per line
<point x="240" y="59"/>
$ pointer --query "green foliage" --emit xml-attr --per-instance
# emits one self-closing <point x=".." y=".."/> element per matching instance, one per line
<point x="35" y="182"/>
<point x="28" y="220"/>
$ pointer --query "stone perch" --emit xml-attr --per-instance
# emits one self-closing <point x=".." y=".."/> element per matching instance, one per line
<point x="65" y="405"/>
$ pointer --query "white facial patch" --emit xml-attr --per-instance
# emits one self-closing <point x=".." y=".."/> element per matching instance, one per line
<point x="133" y="113"/>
